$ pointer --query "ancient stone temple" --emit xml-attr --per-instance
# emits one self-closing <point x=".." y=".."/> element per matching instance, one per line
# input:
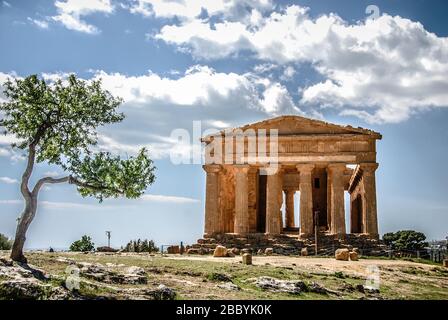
<point x="259" y="174"/>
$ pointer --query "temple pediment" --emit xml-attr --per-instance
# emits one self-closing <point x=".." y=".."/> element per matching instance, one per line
<point x="297" y="125"/>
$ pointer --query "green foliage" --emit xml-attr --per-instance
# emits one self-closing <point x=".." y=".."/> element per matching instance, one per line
<point x="141" y="246"/>
<point x="5" y="243"/>
<point x="339" y="274"/>
<point x="83" y="245"/>
<point x="105" y="176"/>
<point x="61" y="118"/>
<point x="106" y="249"/>
<point x="59" y="121"/>
<point x="405" y="240"/>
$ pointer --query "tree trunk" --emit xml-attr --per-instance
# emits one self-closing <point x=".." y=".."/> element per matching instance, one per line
<point x="22" y="227"/>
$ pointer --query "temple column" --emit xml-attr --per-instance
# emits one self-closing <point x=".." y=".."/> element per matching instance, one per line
<point x="273" y="205"/>
<point x="290" y="223"/>
<point x="306" y="199"/>
<point x="242" y="224"/>
<point x="336" y="172"/>
<point x="252" y="177"/>
<point x="212" y="199"/>
<point x="369" y="181"/>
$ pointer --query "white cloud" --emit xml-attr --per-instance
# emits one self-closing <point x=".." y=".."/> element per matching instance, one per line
<point x="8" y="180"/>
<point x="107" y="204"/>
<point x="155" y="105"/>
<point x="71" y="12"/>
<point x="62" y="204"/>
<point x="169" y="199"/>
<point x="8" y="139"/>
<point x="265" y="67"/>
<point x="382" y="70"/>
<point x="189" y="9"/>
<point x="6" y="4"/>
<point x="288" y="73"/>
<point x="200" y="86"/>
<point x="52" y="174"/>
<point x="42" y="24"/>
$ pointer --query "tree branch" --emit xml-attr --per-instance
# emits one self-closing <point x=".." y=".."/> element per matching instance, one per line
<point x="45" y="180"/>
<point x="75" y="181"/>
<point x="31" y="159"/>
<point x="29" y="169"/>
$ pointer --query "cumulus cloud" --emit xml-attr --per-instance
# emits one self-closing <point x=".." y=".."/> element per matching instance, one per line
<point x="71" y="12"/>
<point x="42" y="24"/>
<point x="381" y="69"/>
<point x="189" y="9"/>
<point x="156" y="105"/>
<point x="8" y="180"/>
<point x="201" y="86"/>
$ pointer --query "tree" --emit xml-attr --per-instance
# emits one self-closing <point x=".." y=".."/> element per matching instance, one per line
<point x="405" y="240"/>
<point x="57" y="123"/>
<point x="141" y="246"/>
<point x="5" y="243"/>
<point x="83" y="245"/>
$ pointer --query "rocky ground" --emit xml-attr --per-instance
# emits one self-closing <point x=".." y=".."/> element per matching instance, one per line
<point x="143" y="276"/>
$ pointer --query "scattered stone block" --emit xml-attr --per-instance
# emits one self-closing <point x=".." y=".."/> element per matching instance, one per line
<point x="304" y="252"/>
<point x="353" y="256"/>
<point x="220" y="251"/>
<point x="268" y="251"/>
<point x="247" y="259"/>
<point x="235" y="251"/>
<point x="445" y="263"/>
<point x="342" y="254"/>
<point x="173" y="249"/>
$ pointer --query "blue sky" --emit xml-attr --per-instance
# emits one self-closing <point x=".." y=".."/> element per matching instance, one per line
<point x="227" y="63"/>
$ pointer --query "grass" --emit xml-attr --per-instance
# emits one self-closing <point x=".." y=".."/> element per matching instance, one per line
<point x="198" y="279"/>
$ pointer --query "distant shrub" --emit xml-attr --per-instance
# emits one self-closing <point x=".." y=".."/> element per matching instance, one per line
<point x="106" y="249"/>
<point x="141" y="246"/>
<point x="83" y="245"/>
<point x="5" y="243"/>
<point x="405" y="240"/>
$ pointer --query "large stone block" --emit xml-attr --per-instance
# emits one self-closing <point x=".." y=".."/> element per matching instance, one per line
<point x="247" y="259"/>
<point x="173" y="249"/>
<point x="342" y="254"/>
<point x="220" y="251"/>
<point x="353" y="256"/>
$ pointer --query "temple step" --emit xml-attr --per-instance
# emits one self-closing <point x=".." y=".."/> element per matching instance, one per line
<point x="289" y="243"/>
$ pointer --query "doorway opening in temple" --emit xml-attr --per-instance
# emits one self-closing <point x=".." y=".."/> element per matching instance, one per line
<point x="356" y="215"/>
<point x="319" y="181"/>
<point x="261" y="203"/>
